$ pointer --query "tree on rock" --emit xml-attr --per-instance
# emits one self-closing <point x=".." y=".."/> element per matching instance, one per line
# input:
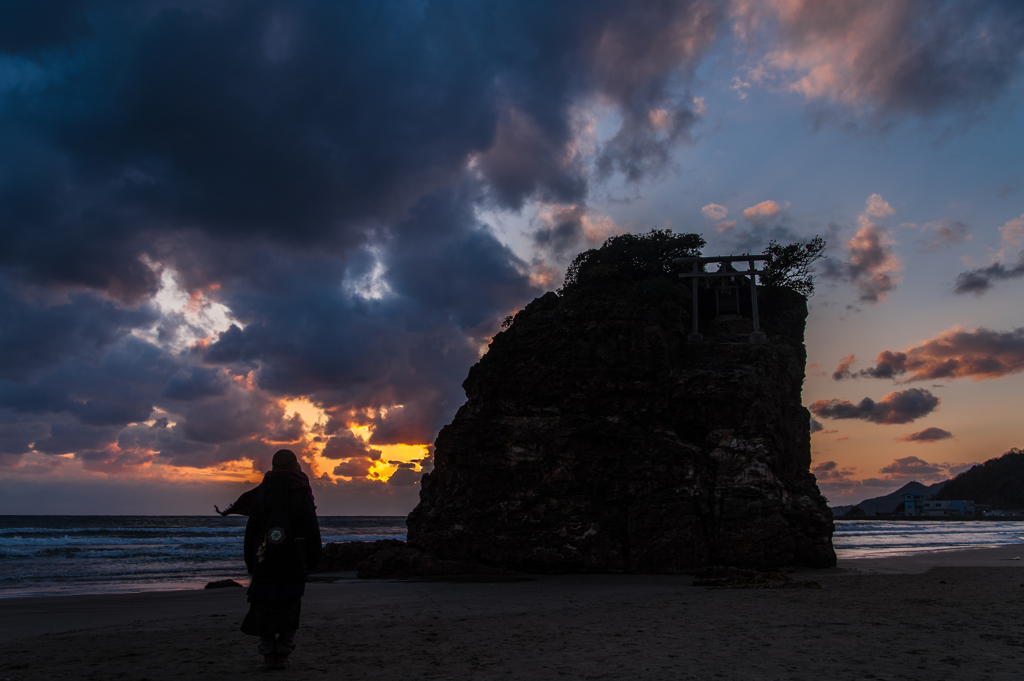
<point x="792" y="266"/>
<point x="627" y="258"/>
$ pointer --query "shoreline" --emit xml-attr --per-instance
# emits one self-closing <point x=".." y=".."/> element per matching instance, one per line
<point x="911" y="562"/>
<point x="951" y="613"/>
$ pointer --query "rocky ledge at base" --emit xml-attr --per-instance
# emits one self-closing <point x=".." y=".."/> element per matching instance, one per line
<point x="597" y="437"/>
<point x="393" y="558"/>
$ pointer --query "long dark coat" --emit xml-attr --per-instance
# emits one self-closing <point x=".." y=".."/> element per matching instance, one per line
<point x="274" y="502"/>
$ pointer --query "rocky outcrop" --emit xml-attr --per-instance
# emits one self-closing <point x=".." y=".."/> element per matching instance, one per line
<point x="391" y="558"/>
<point x="348" y="555"/>
<point x="597" y="438"/>
<point x="408" y="562"/>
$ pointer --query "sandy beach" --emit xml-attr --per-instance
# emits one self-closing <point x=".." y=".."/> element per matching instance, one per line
<point x="942" y="615"/>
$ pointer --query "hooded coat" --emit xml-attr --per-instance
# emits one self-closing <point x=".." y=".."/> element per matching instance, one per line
<point x="282" y="537"/>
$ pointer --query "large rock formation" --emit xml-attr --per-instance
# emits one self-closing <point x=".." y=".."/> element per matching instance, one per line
<point x="597" y="438"/>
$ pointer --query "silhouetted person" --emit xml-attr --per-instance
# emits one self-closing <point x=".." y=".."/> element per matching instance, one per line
<point x="282" y="538"/>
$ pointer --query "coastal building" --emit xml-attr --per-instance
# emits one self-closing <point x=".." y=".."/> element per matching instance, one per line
<point x="946" y="508"/>
<point x="914" y="505"/>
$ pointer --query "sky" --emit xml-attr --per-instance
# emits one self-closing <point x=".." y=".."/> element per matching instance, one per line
<point x="231" y="227"/>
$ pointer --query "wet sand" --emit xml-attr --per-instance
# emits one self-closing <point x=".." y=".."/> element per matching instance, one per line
<point x="944" y="615"/>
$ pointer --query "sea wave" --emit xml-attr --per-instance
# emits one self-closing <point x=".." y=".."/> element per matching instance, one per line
<point x="106" y="554"/>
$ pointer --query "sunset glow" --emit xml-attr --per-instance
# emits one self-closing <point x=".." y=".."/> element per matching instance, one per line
<point x="257" y="238"/>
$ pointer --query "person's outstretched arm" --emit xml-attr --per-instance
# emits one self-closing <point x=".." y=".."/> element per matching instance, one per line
<point x="252" y="541"/>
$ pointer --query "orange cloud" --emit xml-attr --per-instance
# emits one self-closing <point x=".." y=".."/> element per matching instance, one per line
<point x="713" y="211"/>
<point x="843" y="370"/>
<point x="1013" y="231"/>
<point x="878" y="207"/>
<point x="979" y="354"/>
<point x="762" y="211"/>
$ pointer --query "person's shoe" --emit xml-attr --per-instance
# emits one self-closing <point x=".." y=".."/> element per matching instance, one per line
<point x="270" y="662"/>
<point x="283" y="650"/>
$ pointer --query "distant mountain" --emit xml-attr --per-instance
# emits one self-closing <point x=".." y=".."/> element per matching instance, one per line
<point x="889" y="502"/>
<point x="999" y="482"/>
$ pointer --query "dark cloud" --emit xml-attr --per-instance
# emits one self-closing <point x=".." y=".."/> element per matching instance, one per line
<point x="40" y="334"/>
<point x="896" y="407"/>
<point x="404" y="477"/>
<point x="27" y="26"/>
<point x="979" y="354"/>
<point x="926" y="435"/>
<point x="816" y="426"/>
<point x="944" y="234"/>
<point x="562" y="233"/>
<point x="842" y="482"/>
<point x="982" y="279"/>
<point x="912" y="466"/>
<point x="836" y="480"/>
<point x="354" y="467"/>
<point x="315" y="169"/>
<point x="870" y="265"/>
<point x="762" y="222"/>
<point x="843" y="370"/>
<point x="194" y="383"/>
<point x="345" y="445"/>
<point x="120" y="388"/>
<point x="906" y="57"/>
<point x="18" y="432"/>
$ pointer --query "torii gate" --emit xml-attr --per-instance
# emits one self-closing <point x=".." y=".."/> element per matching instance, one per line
<point x="757" y="337"/>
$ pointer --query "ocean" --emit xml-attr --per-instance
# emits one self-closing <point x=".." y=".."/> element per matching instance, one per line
<point x="880" y="538"/>
<point x="53" y="555"/>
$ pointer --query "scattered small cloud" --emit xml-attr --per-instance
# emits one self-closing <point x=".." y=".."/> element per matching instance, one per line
<point x="903" y="406"/>
<point x="1013" y="230"/>
<point x="842" y="483"/>
<point x="815" y="369"/>
<point x="714" y="211"/>
<point x="725" y="226"/>
<point x="925" y="436"/>
<point x="870" y="265"/>
<point x="843" y="370"/>
<point x="836" y="480"/>
<point x="980" y="354"/>
<point x="561" y="229"/>
<point x="944" y="234"/>
<point x="980" y="280"/>
<point x="877" y="207"/>
<point x="766" y="210"/>
<point x="1009" y="188"/>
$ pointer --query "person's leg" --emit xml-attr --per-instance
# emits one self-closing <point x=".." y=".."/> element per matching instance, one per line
<point x="289" y="623"/>
<point x="268" y="649"/>
<point x="285" y="645"/>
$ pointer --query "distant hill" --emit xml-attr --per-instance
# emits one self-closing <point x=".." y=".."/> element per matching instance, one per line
<point x="889" y="502"/>
<point x="999" y="482"/>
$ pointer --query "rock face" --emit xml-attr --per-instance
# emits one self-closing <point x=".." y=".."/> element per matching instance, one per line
<point x="347" y="555"/>
<point x="597" y="438"/>
<point x="390" y="558"/>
